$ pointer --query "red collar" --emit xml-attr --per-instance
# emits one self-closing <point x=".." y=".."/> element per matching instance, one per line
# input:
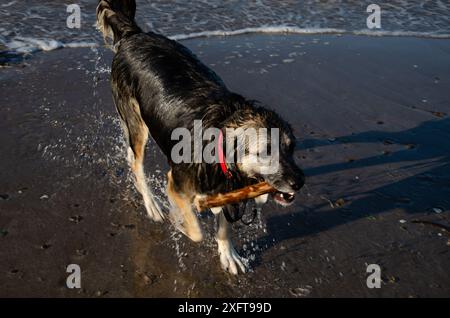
<point x="222" y="162"/>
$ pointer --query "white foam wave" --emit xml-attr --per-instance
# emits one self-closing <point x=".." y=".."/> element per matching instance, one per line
<point x="430" y="35"/>
<point x="81" y="44"/>
<point x="297" y="30"/>
<point x="31" y="45"/>
<point x="267" y="30"/>
<point x="26" y="45"/>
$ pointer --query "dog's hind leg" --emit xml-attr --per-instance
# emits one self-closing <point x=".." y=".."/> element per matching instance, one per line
<point x="126" y="136"/>
<point x="182" y="214"/>
<point x="229" y="258"/>
<point x="136" y="135"/>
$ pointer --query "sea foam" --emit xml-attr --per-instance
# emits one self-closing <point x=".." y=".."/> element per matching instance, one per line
<point x="26" y="45"/>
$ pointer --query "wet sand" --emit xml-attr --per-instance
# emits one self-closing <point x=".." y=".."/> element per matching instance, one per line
<point x="371" y="115"/>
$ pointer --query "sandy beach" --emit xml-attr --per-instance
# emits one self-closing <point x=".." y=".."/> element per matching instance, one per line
<point x="371" y="117"/>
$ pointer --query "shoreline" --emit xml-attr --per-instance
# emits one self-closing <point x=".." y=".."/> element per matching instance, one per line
<point x="10" y="56"/>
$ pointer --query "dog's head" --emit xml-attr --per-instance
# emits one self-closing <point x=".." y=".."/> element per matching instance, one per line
<point x="265" y="151"/>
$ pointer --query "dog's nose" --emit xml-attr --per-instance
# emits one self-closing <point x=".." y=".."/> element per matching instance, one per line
<point x="296" y="184"/>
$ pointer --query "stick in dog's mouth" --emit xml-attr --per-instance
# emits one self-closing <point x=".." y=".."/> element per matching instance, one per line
<point x="246" y="193"/>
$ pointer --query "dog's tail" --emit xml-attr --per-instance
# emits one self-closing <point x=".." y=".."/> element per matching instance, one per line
<point x="115" y="19"/>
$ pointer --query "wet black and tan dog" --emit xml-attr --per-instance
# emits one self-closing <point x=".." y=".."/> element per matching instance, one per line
<point x="159" y="85"/>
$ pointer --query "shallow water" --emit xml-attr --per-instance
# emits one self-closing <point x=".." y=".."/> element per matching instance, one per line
<point x="28" y="26"/>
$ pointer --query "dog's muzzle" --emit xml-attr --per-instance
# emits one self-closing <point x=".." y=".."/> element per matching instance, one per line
<point x="287" y="189"/>
<point x="284" y="198"/>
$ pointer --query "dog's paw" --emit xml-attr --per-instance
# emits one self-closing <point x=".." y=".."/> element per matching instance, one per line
<point x="230" y="259"/>
<point x="154" y="211"/>
<point x="193" y="232"/>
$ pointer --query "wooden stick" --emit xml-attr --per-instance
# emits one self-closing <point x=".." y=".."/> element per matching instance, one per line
<point x="232" y="197"/>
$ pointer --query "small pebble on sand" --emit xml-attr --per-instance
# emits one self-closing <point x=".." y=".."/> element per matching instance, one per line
<point x="300" y="291"/>
<point x="339" y="202"/>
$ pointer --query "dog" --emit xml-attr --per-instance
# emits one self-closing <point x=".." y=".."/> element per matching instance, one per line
<point x="158" y="85"/>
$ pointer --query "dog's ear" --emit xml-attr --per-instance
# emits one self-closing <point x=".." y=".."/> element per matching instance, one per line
<point x="239" y="118"/>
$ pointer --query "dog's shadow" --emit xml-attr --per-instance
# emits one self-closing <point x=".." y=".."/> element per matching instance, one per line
<point x="426" y="147"/>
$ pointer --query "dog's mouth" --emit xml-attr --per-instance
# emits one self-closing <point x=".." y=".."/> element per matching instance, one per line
<point x="284" y="198"/>
<point x="280" y="197"/>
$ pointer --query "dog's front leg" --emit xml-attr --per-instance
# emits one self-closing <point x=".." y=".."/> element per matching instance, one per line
<point x="182" y="214"/>
<point x="229" y="258"/>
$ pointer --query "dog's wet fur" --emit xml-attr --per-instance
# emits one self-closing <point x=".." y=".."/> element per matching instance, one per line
<point x="159" y="85"/>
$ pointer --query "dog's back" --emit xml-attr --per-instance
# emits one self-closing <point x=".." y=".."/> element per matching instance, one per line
<point x="171" y="86"/>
